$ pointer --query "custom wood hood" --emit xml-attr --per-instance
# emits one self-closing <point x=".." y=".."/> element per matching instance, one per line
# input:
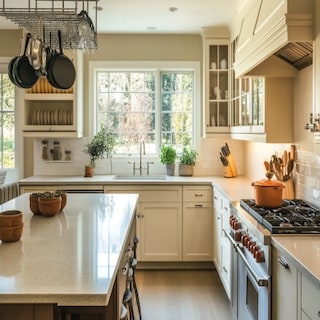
<point x="275" y="27"/>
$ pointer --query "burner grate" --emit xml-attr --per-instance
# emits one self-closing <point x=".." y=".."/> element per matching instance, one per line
<point x="294" y="216"/>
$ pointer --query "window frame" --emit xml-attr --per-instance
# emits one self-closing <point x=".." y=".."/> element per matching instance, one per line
<point x="158" y="67"/>
<point x="14" y="174"/>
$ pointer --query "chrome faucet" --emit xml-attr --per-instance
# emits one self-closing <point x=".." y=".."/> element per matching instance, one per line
<point x="141" y="153"/>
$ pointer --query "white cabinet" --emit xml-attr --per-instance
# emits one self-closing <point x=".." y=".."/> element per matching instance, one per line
<point x="197" y="223"/>
<point x="310" y="298"/>
<point x="48" y="112"/>
<point x="216" y="84"/>
<point x="159" y="221"/>
<point x="222" y="246"/>
<point x="284" y="287"/>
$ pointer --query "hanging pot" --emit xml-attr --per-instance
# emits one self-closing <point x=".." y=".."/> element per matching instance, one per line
<point x="268" y="193"/>
<point x="23" y="72"/>
<point x="61" y="73"/>
<point x="35" y="55"/>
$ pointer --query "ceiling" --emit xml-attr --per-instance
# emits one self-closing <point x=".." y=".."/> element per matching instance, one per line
<point x="157" y="16"/>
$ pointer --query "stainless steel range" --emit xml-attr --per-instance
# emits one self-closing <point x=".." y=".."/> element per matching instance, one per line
<point x="250" y="233"/>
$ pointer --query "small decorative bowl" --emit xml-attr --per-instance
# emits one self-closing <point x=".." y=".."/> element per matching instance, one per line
<point x="34" y="204"/>
<point x="10" y="218"/>
<point x="11" y="233"/>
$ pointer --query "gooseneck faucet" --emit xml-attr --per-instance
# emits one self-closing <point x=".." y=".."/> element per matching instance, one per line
<point x="142" y="151"/>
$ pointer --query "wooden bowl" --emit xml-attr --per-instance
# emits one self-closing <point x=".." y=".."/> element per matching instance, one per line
<point x="49" y="207"/>
<point x="11" y="233"/>
<point x="10" y="218"/>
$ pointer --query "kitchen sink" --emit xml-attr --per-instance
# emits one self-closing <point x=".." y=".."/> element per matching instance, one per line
<point x="119" y="177"/>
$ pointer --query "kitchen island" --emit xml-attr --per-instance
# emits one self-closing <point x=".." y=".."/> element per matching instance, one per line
<point x="71" y="260"/>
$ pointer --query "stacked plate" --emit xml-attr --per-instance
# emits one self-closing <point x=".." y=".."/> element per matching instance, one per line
<point x="51" y="117"/>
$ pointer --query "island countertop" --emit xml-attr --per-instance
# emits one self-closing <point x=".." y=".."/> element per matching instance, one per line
<point x="71" y="258"/>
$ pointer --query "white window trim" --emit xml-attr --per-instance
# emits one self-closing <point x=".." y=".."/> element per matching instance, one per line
<point x="194" y="66"/>
<point x="16" y="173"/>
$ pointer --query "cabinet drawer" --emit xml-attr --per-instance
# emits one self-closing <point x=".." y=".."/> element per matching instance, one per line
<point x="310" y="296"/>
<point x="197" y="194"/>
<point x="149" y="193"/>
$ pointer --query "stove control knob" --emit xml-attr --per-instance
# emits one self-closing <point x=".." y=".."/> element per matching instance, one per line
<point x="260" y="256"/>
<point x="238" y="235"/>
<point x="237" y="225"/>
<point x="244" y="239"/>
<point x="252" y="245"/>
<point x="256" y="248"/>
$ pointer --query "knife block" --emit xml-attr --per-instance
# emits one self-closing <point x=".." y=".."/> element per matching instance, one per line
<point x="231" y="168"/>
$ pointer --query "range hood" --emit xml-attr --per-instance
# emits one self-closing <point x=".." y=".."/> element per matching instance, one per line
<point x="297" y="54"/>
<point x="284" y="30"/>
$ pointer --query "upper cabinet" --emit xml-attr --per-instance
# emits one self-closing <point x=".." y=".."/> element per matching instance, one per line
<point x="216" y="83"/>
<point x="53" y="113"/>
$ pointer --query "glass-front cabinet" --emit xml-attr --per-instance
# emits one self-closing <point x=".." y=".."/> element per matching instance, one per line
<point x="216" y="86"/>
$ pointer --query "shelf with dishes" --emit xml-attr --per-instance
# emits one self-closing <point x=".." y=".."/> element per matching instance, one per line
<point x="51" y="117"/>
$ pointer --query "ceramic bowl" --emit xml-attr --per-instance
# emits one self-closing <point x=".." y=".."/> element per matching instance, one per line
<point x="10" y="218"/>
<point x="11" y="233"/>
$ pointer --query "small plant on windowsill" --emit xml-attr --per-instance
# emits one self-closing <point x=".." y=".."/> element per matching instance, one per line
<point x="101" y="146"/>
<point x="168" y="157"/>
<point x="187" y="161"/>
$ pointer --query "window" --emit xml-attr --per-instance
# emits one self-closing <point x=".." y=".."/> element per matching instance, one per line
<point x="141" y="103"/>
<point x="7" y="121"/>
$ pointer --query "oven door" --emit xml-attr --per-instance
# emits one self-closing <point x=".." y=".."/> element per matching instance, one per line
<point x="253" y="289"/>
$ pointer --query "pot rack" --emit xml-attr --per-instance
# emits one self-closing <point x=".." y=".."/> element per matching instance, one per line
<point x="43" y="19"/>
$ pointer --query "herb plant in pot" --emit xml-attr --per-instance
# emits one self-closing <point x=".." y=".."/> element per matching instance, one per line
<point x="187" y="161"/>
<point x="102" y="145"/>
<point x="168" y="157"/>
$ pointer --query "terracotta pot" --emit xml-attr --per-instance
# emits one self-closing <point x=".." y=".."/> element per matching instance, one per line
<point x="88" y="171"/>
<point x="49" y="206"/>
<point x="34" y="205"/>
<point x="11" y="233"/>
<point x="10" y="218"/>
<point x="268" y="193"/>
<point x="63" y="200"/>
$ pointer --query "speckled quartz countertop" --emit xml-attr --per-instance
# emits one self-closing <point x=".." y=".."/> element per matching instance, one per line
<point x="71" y="258"/>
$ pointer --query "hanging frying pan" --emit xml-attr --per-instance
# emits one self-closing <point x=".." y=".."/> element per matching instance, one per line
<point x="13" y="60"/>
<point x="61" y="73"/>
<point x="24" y="74"/>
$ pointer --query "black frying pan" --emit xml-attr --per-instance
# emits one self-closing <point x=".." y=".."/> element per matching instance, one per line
<point x="13" y="60"/>
<point x="61" y="73"/>
<point x="23" y="72"/>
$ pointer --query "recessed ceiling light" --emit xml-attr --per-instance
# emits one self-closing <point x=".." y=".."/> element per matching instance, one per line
<point x="173" y="9"/>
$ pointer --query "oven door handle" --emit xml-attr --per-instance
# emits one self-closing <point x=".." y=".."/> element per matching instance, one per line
<point x="261" y="282"/>
<point x="227" y="234"/>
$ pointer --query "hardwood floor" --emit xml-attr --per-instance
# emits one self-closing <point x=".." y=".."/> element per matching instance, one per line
<point x="182" y="295"/>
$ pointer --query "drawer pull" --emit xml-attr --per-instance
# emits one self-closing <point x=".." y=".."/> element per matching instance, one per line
<point x="198" y="205"/>
<point x="198" y="195"/>
<point x="283" y="262"/>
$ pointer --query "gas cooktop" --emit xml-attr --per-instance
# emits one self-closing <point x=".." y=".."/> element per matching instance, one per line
<point x="294" y="216"/>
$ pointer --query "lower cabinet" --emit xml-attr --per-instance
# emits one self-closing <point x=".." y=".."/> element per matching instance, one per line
<point x="26" y="312"/>
<point x="222" y="246"/>
<point x="284" y="287"/>
<point x="310" y="298"/>
<point x="174" y="223"/>
<point x="197" y="223"/>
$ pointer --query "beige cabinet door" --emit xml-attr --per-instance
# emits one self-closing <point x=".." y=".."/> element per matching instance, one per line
<point x="284" y="287"/>
<point x="310" y="297"/>
<point x="159" y="228"/>
<point x="197" y="232"/>
<point x="217" y="225"/>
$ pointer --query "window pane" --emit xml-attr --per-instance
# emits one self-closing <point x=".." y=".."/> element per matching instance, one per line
<point x="130" y="103"/>
<point x="7" y="120"/>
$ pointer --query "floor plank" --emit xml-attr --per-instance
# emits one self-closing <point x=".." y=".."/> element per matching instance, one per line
<point x="182" y="295"/>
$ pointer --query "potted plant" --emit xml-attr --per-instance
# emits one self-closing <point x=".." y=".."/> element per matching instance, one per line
<point x="168" y="157"/>
<point x="187" y="161"/>
<point x="102" y="145"/>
